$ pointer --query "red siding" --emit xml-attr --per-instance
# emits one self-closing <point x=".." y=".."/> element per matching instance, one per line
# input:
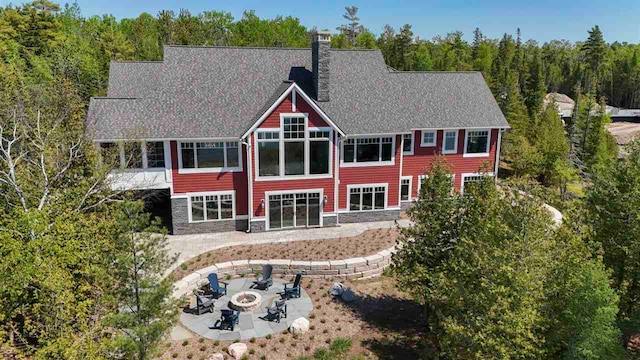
<point x="373" y="175"/>
<point x="218" y="181"/>
<point x="260" y="187"/>
<point x="419" y="162"/>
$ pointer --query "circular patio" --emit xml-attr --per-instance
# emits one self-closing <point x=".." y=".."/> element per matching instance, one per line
<point x="250" y="323"/>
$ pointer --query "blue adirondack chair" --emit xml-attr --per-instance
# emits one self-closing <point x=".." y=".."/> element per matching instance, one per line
<point x="277" y="311"/>
<point x="228" y="319"/>
<point x="292" y="289"/>
<point x="214" y="285"/>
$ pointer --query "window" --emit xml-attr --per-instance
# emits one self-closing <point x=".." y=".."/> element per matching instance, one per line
<point x="289" y="210"/>
<point x="428" y="139"/>
<point x="155" y="154"/>
<point x="421" y="178"/>
<point x="405" y="188"/>
<point x="477" y="142"/>
<point x="269" y="153"/>
<point x="211" y="207"/>
<point x="293" y="150"/>
<point x="407" y="144"/>
<point x="367" y="198"/>
<point x="293" y="129"/>
<point x="368" y="149"/>
<point x="319" y="152"/>
<point x="450" y="142"/>
<point x="133" y="155"/>
<point x="470" y="179"/>
<point x="110" y="153"/>
<point x="210" y="155"/>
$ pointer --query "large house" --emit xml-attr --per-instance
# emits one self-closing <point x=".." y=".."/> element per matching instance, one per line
<point x="262" y="139"/>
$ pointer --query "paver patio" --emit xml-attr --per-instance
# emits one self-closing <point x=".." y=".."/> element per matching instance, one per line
<point x="250" y="324"/>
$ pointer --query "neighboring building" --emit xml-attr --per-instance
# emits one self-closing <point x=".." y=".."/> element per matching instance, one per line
<point x="266" y="139"/>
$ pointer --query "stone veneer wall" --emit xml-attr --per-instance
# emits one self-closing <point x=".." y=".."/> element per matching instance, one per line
<point x="353" y="269"/>
<point x="367" y="216"/>
<point x="181" y="225"/>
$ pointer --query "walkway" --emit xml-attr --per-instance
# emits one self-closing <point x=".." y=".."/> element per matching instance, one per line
<point x="190" y="246"/>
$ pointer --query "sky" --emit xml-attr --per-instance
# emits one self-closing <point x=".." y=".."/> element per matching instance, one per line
<point x="541" y="20"/>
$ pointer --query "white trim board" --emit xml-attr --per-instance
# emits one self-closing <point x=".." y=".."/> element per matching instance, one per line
<point x="284" y="95"/>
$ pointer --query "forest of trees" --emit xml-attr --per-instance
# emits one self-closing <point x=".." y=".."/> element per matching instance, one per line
<point x="70" y="259"/>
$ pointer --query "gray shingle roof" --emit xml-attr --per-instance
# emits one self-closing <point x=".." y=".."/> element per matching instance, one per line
<point x="201" y="92"/>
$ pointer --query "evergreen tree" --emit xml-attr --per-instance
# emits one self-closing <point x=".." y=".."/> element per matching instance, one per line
<point x="352" y="29"/>
<point x="552" y="143"/>
<point x="143" y="296"/>
<point x="594" y="51"/>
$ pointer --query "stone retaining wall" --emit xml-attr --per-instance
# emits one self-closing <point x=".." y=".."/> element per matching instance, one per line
<point x="353" y="269"/>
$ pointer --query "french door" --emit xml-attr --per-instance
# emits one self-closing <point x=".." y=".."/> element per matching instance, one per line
<point x="294" y="210"/>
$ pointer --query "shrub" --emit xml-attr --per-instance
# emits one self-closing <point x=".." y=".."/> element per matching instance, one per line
<point x="203" y="348"/>
<point x="185" y="343"/>
<point x="252" y="340"/>
<point x="268" y="336"/>
<point x="322" y="354"/>
<point x="281" y="340"/>
<point x="252" y="351"/>
<point x="184" y="266"/>
<point x="174" y="355"/>
<point x="201" y="340"/>
<point x="340" y="345"/>
<point x="312" y="316"/>
<point x="190" y="356"/>
<point x="216" y="343"/>
<point x="263" y="357"/>
<point x="244" y="357"/>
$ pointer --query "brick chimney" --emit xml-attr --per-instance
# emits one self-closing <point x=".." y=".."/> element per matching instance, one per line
<point x="321" y="61"/>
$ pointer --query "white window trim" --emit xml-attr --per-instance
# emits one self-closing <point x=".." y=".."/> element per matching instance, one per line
<point x="386" y="196"/>
<point x="307" y="160"/>
<point x="143" y="149"/>
<point x="444" y="134"/>
<point x="197" y="170"/>
<point x="355" y="162"/>
<point x="284" y="192"/>
<point x="209" y="193"/>
<point x="413" y="144"/>
<point x="430" y="144"/>
<point x="466" y="139"/>
<point x="422" y="177"/>
<point x="410" y="178"/>
<point x="466" y="175"/>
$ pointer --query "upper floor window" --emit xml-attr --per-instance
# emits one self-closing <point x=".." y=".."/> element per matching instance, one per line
<point x="294" y="149"/>
<point x="368" y="149"/>
<point x="477" y="142"/>
<point x="428" y="139"/>
<point x="407" y="144"/>
<point x="133" y="154"/>
<point x="210" y="155"/>
<point x="450" y="142"/>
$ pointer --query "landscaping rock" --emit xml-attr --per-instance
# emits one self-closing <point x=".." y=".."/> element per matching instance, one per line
<point x="348" y="296"/>
<point x="216" y="356"/>
<point x="336" y="289"/>
<point x="237" y="350"/>
<point x="299" y="326"/>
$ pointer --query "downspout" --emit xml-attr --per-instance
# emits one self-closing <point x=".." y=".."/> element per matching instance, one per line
<point x="336" y="189"/>
<point x="400" y="175"/>
<point x="497" y="164"/>
<point x="249" y="183"/>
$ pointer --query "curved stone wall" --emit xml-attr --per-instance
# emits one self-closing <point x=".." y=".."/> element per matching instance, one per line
<point x="353" y="268"/>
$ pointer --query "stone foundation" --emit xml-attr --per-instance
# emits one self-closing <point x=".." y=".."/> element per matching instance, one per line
<point x="368" y="216"/>
<point x="181" y="224"/>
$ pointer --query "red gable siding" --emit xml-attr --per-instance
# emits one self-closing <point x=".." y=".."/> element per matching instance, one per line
<point x="372" y="175"/>
<point x="260" y="187"/>
<point x="419" y="162"/>
<point x="219" y="181"/>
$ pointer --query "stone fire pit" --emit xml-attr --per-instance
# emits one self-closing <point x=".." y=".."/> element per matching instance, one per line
<point x="245" y="301"/>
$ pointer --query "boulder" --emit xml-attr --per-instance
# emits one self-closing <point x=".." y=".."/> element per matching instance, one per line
<point x="216" y="356"/>
<point x="236" y="350"/>
<point x="336" y="289"/>
<point x="348" y="296"/>
<point x="299" y="326"/>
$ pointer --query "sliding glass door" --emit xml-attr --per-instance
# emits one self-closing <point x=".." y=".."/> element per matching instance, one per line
<point x="294" y="210"/>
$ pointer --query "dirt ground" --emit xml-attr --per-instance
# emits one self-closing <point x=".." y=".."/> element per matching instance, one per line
<point x="382" y="323"/>
<point x="367" y="243"/>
